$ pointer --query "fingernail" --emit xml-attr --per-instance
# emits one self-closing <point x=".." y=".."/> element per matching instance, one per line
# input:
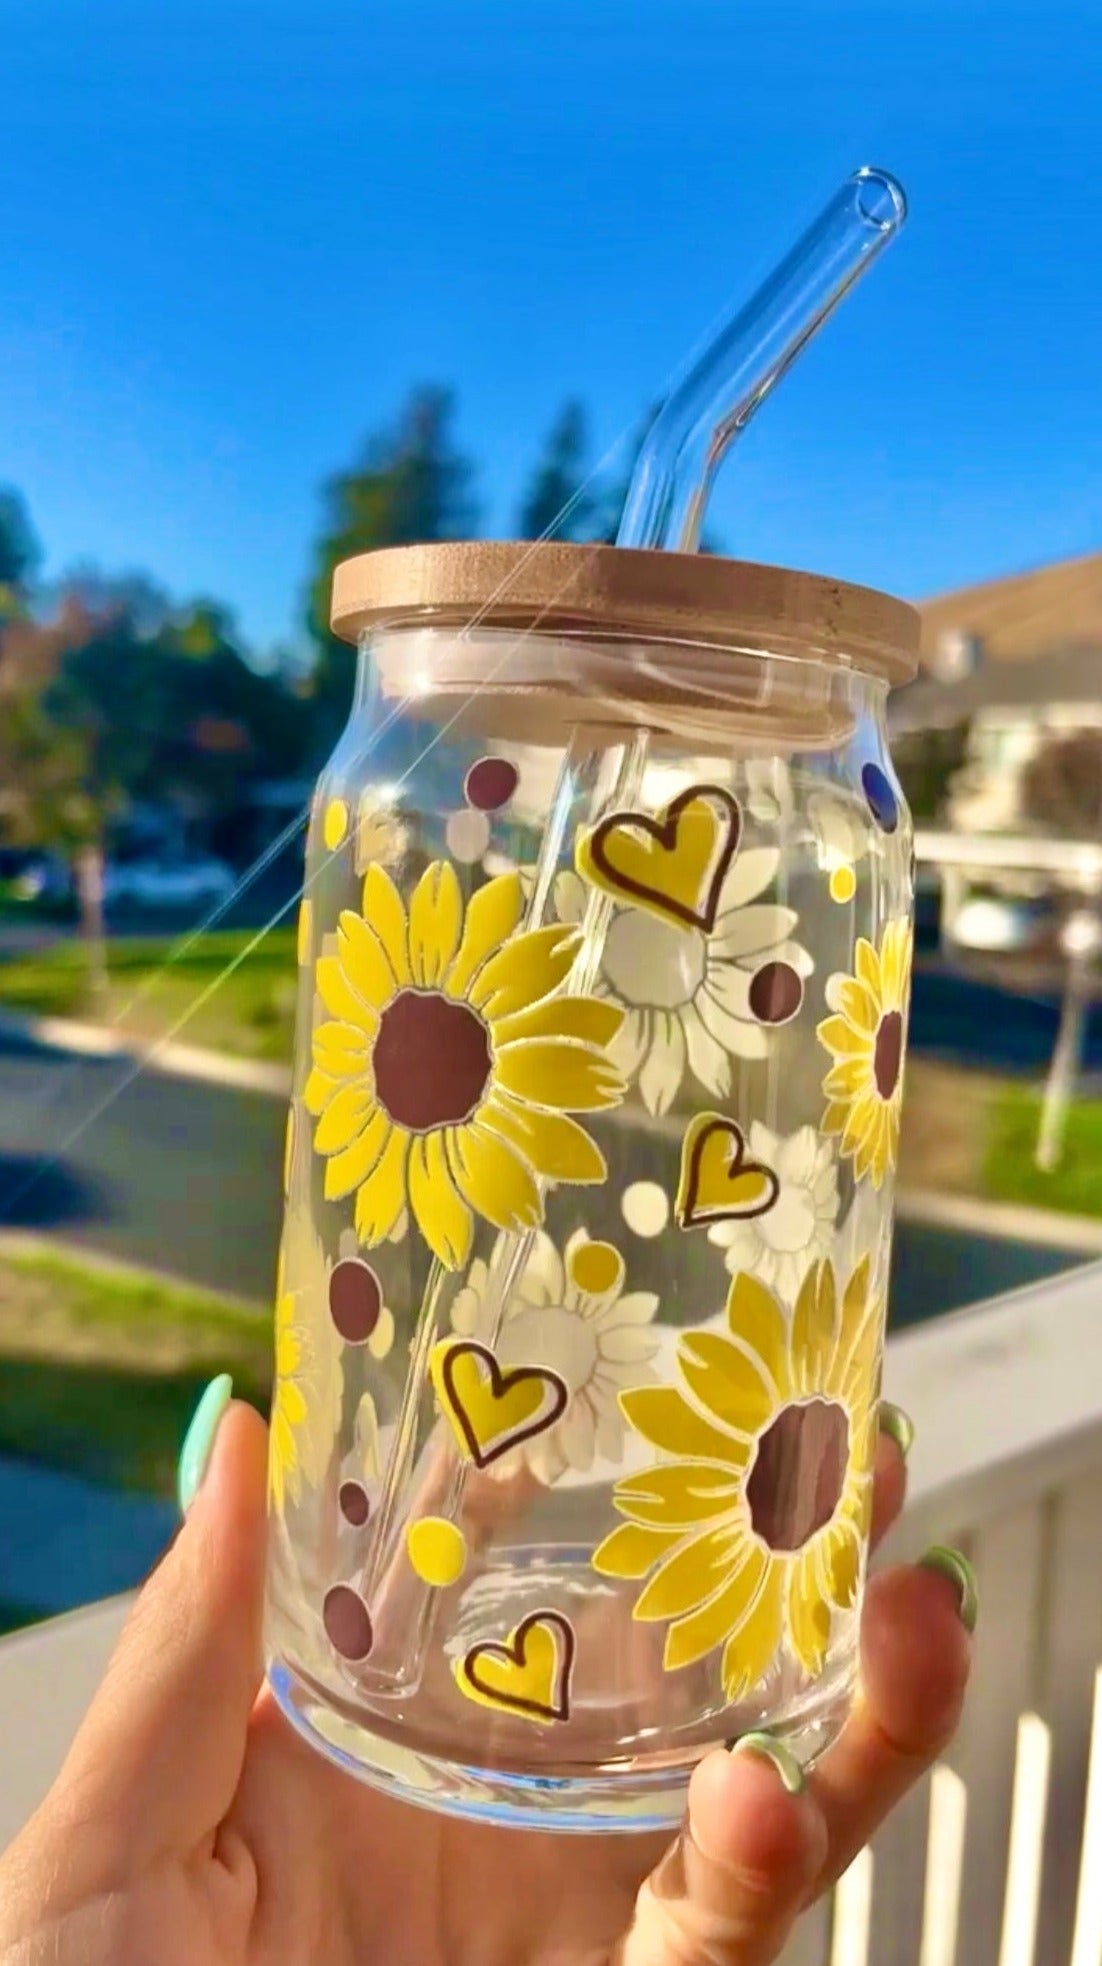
<point x="897" y="1425"/>
<point x="951" y="1564"/>
<point x="768" y="1748"/>
<point x="199" y="1439"/>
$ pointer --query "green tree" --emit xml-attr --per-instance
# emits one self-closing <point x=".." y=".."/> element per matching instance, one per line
<point x="411" y="484"/>
<point x="558" y="500"/>
<point x="19" y="554"/>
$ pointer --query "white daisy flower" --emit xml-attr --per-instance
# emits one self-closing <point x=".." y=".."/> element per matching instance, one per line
<point x="780" y="1246"/>
<point x="570" y="1315"/>
<point x="842" y="829"/>
<point x="694" y="1001"/>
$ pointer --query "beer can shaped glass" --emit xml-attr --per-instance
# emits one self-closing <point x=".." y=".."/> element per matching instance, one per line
<point x="604" y="963"/>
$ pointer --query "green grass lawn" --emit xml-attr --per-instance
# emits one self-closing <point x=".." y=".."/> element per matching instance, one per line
<point x="1009" y="1174"/>
<point x="100" y="1367"/>
<point x="251" y="1012"/>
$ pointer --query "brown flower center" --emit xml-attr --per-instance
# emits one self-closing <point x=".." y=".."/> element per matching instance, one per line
<point x="431" y="1059"/>
<point x="888" y="1053"/>
<point x="796" y="1481"/>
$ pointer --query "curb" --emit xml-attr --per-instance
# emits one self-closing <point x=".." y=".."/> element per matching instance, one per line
<point x="185" y="1061"/>
<point x="1079" y="1235"/>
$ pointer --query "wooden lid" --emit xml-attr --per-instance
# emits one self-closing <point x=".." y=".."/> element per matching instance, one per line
<point x="615" y="592"/>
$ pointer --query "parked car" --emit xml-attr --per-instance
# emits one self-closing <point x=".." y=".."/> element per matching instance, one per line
<point x="168" y="884"/>
<point x="30" y="875"/>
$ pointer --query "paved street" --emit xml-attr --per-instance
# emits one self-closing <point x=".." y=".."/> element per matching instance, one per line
<point x="184" y="1176"/>
<point x="174" y="1173"/>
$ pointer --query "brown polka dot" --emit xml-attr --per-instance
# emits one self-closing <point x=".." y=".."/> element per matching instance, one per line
<point x="347" y="1622"/>
<point x="353" y="1502"/>
<point x="490" y="784"/>
<point x="355" y="1299"/>
<point x="776" y="993"/>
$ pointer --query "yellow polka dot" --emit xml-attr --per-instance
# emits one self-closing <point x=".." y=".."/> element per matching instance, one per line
<point x="843" y="884"/>
<point x="596" y="1267"/>
<point x="437" y="1550"/>
<point x="382" y="1338"/>
<point x="305" y="931"/>
<point x="335" y="823"/>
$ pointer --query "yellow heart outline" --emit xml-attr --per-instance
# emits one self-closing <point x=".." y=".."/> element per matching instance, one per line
<point x="591" y="854"/>
<point x="700" y="1130"/>
<point x="501" y="1382"/>
<point x="511" y="1653"/>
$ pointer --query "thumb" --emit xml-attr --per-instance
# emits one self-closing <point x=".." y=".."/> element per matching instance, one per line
<point x="158" y="1758"/>
<point x="729" y="1890"/>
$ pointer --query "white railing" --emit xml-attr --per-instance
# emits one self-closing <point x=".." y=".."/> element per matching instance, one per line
<point x="996" y="1861"/>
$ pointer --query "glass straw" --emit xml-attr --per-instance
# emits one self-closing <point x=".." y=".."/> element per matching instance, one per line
<point x="666" y="500"/>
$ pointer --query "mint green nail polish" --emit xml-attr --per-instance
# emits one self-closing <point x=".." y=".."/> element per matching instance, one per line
<point x="199" y="1439"/>
<point x="951" y="1564"/>
<point x="768" y="1748"/>
<point x="897" y="1425"/>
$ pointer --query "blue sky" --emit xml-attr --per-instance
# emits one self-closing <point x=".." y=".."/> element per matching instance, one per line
<point x="236" y="231"/>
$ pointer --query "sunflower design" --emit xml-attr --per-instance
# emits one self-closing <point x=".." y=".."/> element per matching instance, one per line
<point x="309" y="1377"/>
<point x="450" y="1062"/>
<point x="866" y="1037"/>
<point x="754" y="1527"/>
<point x="570" y="1314"/>
<point x="693" y="1001"/>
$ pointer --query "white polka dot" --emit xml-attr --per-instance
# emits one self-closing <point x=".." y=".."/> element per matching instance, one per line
<point x="468" y="835"/>
<point x="498" y="863"/>
<point x="645" y="1208"/>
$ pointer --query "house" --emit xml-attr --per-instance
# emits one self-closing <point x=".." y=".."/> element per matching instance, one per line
<point x="1011" y="664"/>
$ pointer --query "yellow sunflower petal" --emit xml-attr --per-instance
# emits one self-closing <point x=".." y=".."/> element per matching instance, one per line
<point x="840" y="1037"/>
<point x="493" y="1178"/>
<point x="664" y="1417"/>
<point x="340" y="999"/>
<point x="345" y="1170"/>
<point x="688" y="1492"/>
<point x="631" y="1551"/>
<point x="292" y="1403"/>
<point x="867" y="966"/>
<point x="813" y="1327"/>
<point x="343" y="1118"/>
<point x="492" y="916"/>
<point x="549" y="1073"/>
<point x="318" y="1091"/>
<point x="693" y="1637"/>
<point x="834" y="1118"/>
<point x="557" y="1147"/>
<point x="443" y="1215"/>
<point x="527" y="969"/>
<point x="364" y="960"/>
<point x="862" y="1121"/>
<point x="857" y="1005"/>
<point x="895" y="952"/>
<point x="756" y="1319"/>
<point x="690" y="1575"/>
<point x="341" y="1050"/>
<point x="381" y="1199"/>
<point x="592" y="1019"/>
<point x="383" y="911"/>
<point x="435" y="923"/>
<point x="807" y="1612"/>
<point x="727" y="1381"/>
<point x="752" y="1648"/>
<point x="840" y="1564"/>
<point x="854" y="1313"/>
<point x="848" y="1078"/>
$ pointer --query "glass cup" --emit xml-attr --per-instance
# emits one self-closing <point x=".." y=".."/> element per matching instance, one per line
<point x="604" y="962"/>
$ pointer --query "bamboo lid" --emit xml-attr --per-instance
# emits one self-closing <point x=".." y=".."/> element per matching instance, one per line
<point x="603" y="593"/>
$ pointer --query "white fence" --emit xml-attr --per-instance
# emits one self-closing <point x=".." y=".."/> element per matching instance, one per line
<point x="997" y="1861"/>
<point x="987" y="1864"/>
